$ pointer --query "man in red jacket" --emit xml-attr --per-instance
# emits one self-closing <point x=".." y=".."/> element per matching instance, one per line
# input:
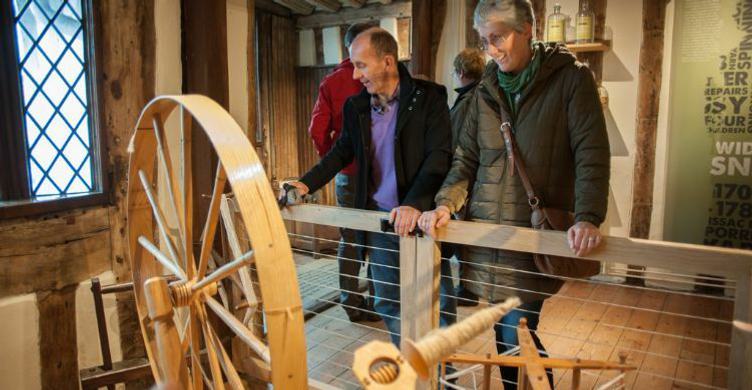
<point x="325" y="128"/>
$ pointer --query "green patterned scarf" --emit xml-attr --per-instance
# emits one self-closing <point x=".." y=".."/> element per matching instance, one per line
<point x="512" y="84"/>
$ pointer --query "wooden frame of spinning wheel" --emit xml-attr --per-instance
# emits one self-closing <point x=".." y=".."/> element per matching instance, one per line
<point x="238" y="164"/>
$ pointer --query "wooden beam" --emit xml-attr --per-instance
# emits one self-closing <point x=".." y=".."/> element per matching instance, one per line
<point x="419" y="321"/>
<point x="297" y="6"/>
<point x="251" y="60"/>
<point x="677" y="256"/>
<point x="204" y="72"/>
<point x="273" y="8"/>
<point x="740" y="358"/>
<point x="354" y="3"/>
<point x="369" y="12"/>
<point x="648" y="98"/>
<point x="425" y="35"/>
<point x="318" y="38"/>
<point x="52" y="253"/>
<point x="125" y="45"/>
<point x="539" y="10"/>
<point x="278" y="90"/>
<point x="471" y="36"/>
<point x="58" y="347"/>
<point x="326" y="5"/>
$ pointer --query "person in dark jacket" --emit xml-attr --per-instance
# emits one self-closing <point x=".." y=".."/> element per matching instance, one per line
<point x="468" y="69"/>
<point x="560" y="131"/>
<point x="325" y="129"/>
<point x="397" y="132"/>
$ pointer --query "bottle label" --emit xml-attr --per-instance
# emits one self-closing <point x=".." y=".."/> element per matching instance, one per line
<point x="556" y="31"/>
<point x="584" y="28"/>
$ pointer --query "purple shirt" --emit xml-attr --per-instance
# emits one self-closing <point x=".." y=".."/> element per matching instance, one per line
<point x="383" y="177"/>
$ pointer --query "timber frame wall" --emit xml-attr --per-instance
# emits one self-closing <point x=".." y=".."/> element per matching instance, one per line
<point x="51" y="254"/>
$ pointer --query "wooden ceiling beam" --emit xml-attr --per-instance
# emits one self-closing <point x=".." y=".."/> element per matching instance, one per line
<point x="348" y="16"/>
<point x="354" y="3"/>
<point x="273" y="8"/>
<point x="297" y="6"/>
<point x="326" y="5"/>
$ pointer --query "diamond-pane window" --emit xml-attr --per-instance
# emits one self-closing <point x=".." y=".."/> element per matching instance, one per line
<point x="52" y="63"/>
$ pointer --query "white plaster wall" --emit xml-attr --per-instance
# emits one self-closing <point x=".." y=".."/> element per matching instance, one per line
<point x="306" y="48"/>
<point x="390" y="24"/>
<point x="19" y="354"/>
<point x="169" y="69"/>
<point x="89" y="350"/>
<point x="620" y="73"/>
<point x="620" y="78"/>
<point x="332" y="45"/>
<point x="237" y="60"/>
<point x="452" y="42"/>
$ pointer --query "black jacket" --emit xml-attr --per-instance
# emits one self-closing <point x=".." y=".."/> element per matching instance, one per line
<point x="422" y="153"/>
<point x="459" y="109"/>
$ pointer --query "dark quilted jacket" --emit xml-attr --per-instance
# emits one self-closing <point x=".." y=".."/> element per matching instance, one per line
<point x="562" y="138"/>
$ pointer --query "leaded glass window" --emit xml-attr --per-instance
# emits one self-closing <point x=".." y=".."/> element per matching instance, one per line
<point x="53" y="64"/>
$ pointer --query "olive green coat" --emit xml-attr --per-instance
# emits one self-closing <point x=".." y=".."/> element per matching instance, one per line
<point x="561" y="134"/>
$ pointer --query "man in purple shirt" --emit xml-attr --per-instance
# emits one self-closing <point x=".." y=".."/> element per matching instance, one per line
<point x="397" y="130"/>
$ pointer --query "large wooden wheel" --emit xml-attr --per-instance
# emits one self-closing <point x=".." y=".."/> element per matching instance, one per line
<point x="182" y="345"/>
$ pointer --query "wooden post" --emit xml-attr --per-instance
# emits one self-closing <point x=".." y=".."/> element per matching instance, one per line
<point x="426" y="35"/>
<point x="487" y="375"/>
<point x="204" y="26"/>
<point x="407" y="248"/>
<point x="648" y="92"/>
<point x="419" y="291"/>
<point x="471" y="36"/>
<point x="539" y="11"/>
<point x="58" y="348"/>
<point x="124" y="36"/>
<point x="278" y="90"/>
<point x="740" y="358"/>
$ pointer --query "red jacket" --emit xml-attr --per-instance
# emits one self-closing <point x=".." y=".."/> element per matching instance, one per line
<point x="326" y="119"/>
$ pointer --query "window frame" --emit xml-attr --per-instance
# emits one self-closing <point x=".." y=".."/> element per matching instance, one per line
<point x="15" y="194"/>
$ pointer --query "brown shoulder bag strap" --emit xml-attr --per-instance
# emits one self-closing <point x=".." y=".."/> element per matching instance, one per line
<point x="516" y="162"/>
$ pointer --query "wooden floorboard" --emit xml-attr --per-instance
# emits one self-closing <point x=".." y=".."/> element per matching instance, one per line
<point x="656" y="329"/>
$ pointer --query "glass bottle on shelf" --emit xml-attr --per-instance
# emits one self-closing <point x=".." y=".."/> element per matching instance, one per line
<point x="585" y="27"/>
<point x="557" y="26"/>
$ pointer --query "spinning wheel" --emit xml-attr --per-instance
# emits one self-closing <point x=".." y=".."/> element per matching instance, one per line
<point x="183" y="346"/>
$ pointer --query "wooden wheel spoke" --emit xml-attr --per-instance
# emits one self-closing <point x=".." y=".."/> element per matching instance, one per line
<point x="216" y="371"/>
<point x="194" y="335"/>
<point x="210" y="227"/>
<point x="162" y="242"/>
<point x="158" y="216"/>
<point x="239" y="329"/>
<point x="224" y="271"/>
<point x="204" y="377"/>
<point x="186" y="187"/>
<point x="226" y="363"/>
<point x="233" y="277"/>
<point x="162" y="258"/>
<point x="235" y="248"/>
<point x="164" y="157"/>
